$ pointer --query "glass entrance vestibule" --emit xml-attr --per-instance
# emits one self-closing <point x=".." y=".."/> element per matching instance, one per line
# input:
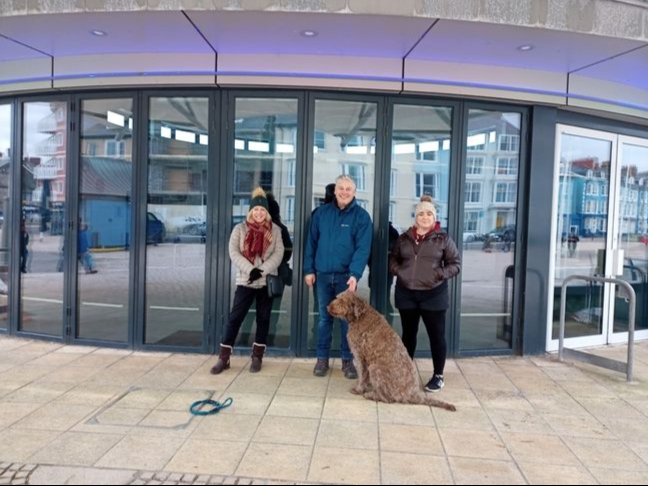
<point x="118" y="207"/>
<point x="600" y="216"/>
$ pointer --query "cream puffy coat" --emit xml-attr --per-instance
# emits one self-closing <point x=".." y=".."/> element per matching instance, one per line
<point x="268" y="264"/>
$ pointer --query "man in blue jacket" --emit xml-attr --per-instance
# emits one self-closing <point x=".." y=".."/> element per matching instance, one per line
<point x="337" y="251"/>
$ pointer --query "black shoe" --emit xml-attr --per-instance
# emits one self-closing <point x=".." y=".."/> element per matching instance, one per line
<point x="349" y="369"/>
<point x="321" y="367"/>
<point x="435" y="384"/>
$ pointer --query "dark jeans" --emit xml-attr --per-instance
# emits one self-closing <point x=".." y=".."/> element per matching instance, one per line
<point x="243" y="299"/>
<point x="435" y="325"/>
<point x="23" y="261"/>
<point x="328" y="286"/>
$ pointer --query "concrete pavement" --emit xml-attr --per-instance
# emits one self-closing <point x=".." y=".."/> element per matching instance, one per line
<point x="85" y="415"/>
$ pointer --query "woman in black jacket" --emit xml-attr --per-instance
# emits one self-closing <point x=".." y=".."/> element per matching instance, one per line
<point x="422" y="260"/>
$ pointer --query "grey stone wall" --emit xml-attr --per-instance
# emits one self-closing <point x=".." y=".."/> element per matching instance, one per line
<point x="617" y="18"/>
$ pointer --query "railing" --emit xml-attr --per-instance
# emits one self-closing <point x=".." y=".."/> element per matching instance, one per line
<point x="608" y="363"/>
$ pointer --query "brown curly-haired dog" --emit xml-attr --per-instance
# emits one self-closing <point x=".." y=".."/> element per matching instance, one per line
<point x="385" y="371"/>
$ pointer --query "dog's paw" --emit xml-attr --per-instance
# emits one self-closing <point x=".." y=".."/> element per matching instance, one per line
<point x="357" y="391"/>
<point x="370" y="395"/>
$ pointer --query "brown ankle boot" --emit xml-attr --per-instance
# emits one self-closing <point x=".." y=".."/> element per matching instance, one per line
<point x="257" y="357"/>
<point x="349" y="369"/>
<point x="321" y="367"/>
<point x="223" y="362"/>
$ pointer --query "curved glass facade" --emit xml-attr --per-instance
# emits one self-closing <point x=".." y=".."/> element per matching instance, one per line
<point x="5" y="203"/>
<point x="129" y="200"/>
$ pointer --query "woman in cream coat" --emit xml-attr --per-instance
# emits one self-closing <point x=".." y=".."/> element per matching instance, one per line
<point x="256" y="249"/>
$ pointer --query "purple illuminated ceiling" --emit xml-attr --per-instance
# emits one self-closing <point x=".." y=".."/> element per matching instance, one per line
<point x="359" y="37"/>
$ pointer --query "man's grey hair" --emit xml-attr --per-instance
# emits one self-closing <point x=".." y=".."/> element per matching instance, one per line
<point x="345" y="177"/>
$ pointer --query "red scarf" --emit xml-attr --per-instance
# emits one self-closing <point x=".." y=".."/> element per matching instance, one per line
<point x="257" y="241"/>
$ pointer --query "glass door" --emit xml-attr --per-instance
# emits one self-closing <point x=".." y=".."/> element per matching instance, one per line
<point x="601" y="209"/>
<point x="420" y="164"/>
<point x="42" y="237"/>
<point x="492" y="160"/>
<point x="5" y="220"/>
<point x="582" y="237"/>
<point x="176" y="215"/>
<point x="632" y="235"/>
<point x="104" y="220"/>
<point x="344" y="142"/>
<point x="266" y="155"/>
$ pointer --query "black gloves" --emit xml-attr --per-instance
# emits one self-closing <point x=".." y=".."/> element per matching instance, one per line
<point x="255" y="274"/>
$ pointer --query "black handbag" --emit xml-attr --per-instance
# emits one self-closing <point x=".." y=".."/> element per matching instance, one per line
<point x="275" y="286"/>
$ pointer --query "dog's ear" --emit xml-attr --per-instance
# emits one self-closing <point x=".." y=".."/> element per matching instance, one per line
<point x="358" y="306"/>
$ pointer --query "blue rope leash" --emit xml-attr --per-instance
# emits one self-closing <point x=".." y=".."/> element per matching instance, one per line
<point x="197" y="407"/>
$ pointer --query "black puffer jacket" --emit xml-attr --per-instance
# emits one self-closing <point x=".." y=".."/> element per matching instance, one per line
<point x="425" y="265"/>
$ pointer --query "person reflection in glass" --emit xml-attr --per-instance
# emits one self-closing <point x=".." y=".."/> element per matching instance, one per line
<point x="329" y="196"/>
<point x="572" y="241"/>
<point x="24" y="242"/>
<point x="284" y="268"/>
<point x="83" y="249"/>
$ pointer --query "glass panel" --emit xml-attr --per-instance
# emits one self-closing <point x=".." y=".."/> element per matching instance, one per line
<point x="44" y="160"/>
<point x="266" y="156"/>
<point x="633" y="237"/>
<point x="103" y="243"/>
<point x="345" y="143"/>
<point x="489" y="233"/>
<point x="582" y="227"/>
<point x="420" y="165"/>
<point x="5" y="199"/>
<point x="176" y="221"/>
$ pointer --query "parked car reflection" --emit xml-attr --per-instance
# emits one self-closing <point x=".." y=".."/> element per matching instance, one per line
<point x="193" y="233"/>
<point x="155" y="229"/>
<point x="502" y="233"/>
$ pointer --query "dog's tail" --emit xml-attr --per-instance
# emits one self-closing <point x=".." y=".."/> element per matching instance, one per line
<point x="422" y="399"/>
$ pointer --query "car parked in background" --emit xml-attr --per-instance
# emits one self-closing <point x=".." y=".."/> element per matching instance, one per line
<point x="155" y="229"/>
<point x="502" y="233"/>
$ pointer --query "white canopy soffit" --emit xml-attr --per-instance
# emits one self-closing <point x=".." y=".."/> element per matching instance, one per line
<point x="327" y="50"/>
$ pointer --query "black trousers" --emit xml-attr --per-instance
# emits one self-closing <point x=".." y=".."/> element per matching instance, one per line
<point x="435" y="325"/>
<point x="243" y="298"/>
<point x="23" y="261"/>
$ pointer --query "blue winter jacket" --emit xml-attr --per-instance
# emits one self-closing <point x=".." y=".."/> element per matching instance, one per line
<point x="339" y="241"/>
<point x="83" y="245"/>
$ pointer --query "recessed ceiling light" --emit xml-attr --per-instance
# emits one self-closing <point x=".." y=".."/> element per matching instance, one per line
<point x="525" y="47"/>
<point x="98" y="33"/>
<point x="309" y="33"/>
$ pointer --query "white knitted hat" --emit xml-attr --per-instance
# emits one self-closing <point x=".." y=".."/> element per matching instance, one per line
<point x="426" y="204"/>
